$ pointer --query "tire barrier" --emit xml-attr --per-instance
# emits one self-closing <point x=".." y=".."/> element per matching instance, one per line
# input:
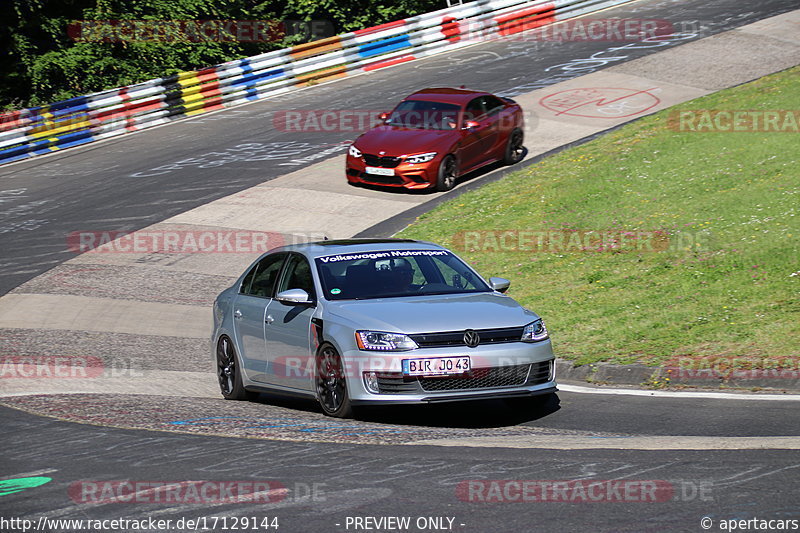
<point x="84" y="119"/>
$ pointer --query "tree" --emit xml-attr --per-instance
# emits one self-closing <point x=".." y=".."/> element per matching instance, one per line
<point x="54" y="50"/>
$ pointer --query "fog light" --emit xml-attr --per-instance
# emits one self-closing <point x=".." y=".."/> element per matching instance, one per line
<point x="371" y="382"/>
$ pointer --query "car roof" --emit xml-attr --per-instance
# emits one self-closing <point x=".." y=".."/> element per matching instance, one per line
<point x="346" y="246"/>
<point x="446" y="94"/>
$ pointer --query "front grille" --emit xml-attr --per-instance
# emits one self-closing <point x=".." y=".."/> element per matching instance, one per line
<point x="378" y="161"/>
<point x="374" y="178"/>
<point x="456" y="338"/>
<point x="479" y="378"/>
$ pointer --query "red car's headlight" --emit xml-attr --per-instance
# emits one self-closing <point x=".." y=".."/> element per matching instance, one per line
<point x="420" y="158"/>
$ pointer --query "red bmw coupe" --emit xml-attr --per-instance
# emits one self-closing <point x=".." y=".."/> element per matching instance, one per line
<point x="436" y="135"/>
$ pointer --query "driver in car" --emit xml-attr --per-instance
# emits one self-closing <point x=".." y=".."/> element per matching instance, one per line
<point x="398" y="278"/>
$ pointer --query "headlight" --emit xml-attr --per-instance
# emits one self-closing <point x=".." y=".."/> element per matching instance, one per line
<point x="420" y="158"/>
<point x="385" y="342"/>
<point x="355" y="152"/>
<point x="534" y="332"/>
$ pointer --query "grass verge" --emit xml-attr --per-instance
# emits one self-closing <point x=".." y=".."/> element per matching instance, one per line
<point x="651" y="244"/>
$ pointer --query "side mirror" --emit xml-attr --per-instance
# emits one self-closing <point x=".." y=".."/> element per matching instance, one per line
<point x="499" y="284"/>
<point x="383" y="117"/>
<point x="293" y="296"/>
<point x="471" y="125"/>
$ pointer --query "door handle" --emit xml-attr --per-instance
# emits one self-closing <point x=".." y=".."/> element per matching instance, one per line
<point x="269" y="319"/>
<point x="237" y="314"/>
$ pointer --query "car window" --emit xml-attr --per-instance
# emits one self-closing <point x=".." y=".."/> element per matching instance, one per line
<point x="475" y="109"/>
<point x="298" y="276"/>
<point x="422" y="114"/>
<point x="394" y="273"/>
<point x="244" y="288"/>
<point x="493" y="104"/>
<point x="260" y="281"/>
<point x="454" y="277"/>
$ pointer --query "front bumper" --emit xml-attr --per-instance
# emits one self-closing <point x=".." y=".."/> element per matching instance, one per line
<point x="498" y="371"/>
<point x="405" y="175"/>
<point x="492" y="394"/>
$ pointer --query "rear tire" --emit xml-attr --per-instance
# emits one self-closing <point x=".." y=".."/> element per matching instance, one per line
<point x="228" y="373"/>
<point x="331" y="383"/>
<point x="514" y="149"/>
<point x="448" y="173"/>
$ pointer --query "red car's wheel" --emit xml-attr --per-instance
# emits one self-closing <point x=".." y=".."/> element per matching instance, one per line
<point x="514" y="148"/>
<point x="448" y="172"/>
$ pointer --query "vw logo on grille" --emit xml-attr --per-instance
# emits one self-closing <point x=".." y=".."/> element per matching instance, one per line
<point x="471" y="338"/>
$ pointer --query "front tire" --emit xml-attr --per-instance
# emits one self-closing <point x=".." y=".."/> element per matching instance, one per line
<point x="331" y="384"/>
<point x="514" y="149"/>
<point x="228" y="373"/>
<point x="448" y="173"/>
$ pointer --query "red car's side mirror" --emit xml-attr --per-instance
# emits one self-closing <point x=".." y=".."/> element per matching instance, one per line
<point x="383" y="117"/>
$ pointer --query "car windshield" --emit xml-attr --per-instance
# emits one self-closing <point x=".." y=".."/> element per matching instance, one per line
<point x="394" y="273"/>
<point x="425" y="115"/>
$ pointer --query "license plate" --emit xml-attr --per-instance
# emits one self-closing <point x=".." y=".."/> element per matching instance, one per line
<point x="436" y="366"/>
<point x="380" y="171"/>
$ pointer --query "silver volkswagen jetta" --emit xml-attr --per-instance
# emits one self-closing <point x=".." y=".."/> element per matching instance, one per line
<point x="390" y="321"/>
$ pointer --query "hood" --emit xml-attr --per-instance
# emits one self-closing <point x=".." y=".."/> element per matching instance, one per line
<point x="428" y="314"/>
<point x="397" y="141"/>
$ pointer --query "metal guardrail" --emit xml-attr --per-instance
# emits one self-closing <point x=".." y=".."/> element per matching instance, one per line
<point x="85" y="119"/>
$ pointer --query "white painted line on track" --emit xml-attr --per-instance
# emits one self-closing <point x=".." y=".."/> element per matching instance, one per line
<point x="680" y="394"/>
<point x="35" y="473"/>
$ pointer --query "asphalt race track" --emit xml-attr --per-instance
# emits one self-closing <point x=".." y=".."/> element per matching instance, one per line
<point x="326" y="483"/>
<point x="658" y="463"/>
<point x="320" y="485"/>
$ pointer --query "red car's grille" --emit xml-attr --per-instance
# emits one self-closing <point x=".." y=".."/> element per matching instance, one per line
<point x="372" y="178"/>
<point x="377" y="161"/>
